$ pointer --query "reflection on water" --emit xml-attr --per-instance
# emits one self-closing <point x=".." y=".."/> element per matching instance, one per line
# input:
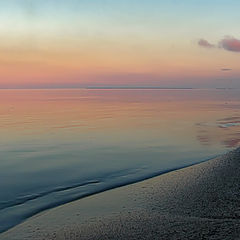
<point x="223" y="131"/>
<point x="60" y="145"/>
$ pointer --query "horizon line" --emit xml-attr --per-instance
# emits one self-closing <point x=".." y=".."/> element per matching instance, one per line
<point x="115" y="87"/>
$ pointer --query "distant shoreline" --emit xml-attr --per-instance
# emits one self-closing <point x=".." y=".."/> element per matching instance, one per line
<point x="151" y="88"/>
<point x="120" y="88"/>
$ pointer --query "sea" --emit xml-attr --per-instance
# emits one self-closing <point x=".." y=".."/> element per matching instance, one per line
<point x="60" y="145"/>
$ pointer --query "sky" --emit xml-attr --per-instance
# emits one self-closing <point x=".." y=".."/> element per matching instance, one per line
<point x="80" y="43"/>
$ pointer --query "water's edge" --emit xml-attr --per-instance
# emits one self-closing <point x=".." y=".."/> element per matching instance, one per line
<point x="104" y="189"/>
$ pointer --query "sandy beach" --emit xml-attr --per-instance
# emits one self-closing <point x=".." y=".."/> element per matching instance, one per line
<point x="197" y="202"/>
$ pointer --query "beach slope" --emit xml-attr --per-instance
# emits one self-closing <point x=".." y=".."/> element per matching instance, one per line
<point x="197" y="202"/>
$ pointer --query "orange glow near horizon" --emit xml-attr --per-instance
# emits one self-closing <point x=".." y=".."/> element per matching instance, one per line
<point x="101" y="68"/>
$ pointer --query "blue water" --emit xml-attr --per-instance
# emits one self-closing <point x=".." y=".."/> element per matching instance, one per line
<point x="61" y="145"/>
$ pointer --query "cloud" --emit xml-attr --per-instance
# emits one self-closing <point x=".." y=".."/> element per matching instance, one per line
<point x="230" y="44"/>
<point x="204" y="43"/>
<point x="226" y="69"/>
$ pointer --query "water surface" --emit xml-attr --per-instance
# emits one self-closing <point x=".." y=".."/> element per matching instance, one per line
<point x="61" y="145"/>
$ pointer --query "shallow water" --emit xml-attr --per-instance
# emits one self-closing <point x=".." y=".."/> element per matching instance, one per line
<point x="61" y="145"/>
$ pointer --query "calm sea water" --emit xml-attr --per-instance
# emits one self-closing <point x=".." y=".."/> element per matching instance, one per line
<point x="61" y="145"/>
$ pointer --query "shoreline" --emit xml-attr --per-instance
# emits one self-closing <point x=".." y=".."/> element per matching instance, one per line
<point x="195" y="202"/>
<point x="108" y="188"/>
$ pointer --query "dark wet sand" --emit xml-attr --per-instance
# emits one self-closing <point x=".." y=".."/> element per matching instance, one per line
<point x="198" y="202"/>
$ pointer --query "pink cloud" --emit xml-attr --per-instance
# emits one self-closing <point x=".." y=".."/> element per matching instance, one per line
<point x="230" y="44"/>
<point x="204" y="43"/>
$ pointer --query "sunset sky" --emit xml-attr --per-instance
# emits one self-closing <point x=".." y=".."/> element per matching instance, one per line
<point x="79" y="43"/>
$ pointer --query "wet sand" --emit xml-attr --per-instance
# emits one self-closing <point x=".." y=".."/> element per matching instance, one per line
<point x="197" y="202"/>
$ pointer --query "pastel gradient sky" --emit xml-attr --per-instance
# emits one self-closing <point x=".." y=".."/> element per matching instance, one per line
<point x="78" y="43"/>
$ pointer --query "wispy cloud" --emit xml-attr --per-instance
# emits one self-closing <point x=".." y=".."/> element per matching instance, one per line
<point x="204" y="43"/>
<point x="226" y="69"/>
<point x="230" y="44"/>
